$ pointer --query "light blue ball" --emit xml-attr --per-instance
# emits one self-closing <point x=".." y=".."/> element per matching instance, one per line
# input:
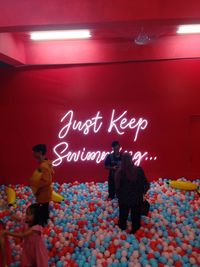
<point x="59" y="264"/>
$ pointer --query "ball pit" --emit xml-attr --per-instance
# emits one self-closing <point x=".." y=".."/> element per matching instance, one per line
<point x="82" y="228"/>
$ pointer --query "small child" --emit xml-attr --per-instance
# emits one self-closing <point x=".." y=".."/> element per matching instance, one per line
<point x="34" y="252"/>
<point x="5" y="252"/>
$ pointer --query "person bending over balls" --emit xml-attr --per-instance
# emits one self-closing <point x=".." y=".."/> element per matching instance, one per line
<point x="5" y="251"/>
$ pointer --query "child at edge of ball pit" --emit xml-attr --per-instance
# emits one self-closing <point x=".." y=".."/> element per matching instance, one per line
<point x="5" y="252"/>
<point x="34" y="253"/>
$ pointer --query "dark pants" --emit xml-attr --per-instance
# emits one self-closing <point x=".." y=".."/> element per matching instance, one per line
<point x="111" y="187"/>
<point x="44" y="212"/>
<point x="135" y="216"/>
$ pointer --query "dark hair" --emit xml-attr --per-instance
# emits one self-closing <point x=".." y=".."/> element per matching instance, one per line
<point x="114" y="144"/>
<point x="40" y="148"/>
<point x="38" y="214"/>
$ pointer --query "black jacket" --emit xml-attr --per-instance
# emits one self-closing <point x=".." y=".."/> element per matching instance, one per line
<point x="131" y="192"/>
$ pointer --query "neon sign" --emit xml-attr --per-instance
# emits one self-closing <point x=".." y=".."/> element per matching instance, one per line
<point x="121" y="123"/>
<point x="85" y="127"/>
<point x="118" y="124"/>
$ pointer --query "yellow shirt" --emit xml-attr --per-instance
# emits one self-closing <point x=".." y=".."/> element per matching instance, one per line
<point x="41" y="182"/>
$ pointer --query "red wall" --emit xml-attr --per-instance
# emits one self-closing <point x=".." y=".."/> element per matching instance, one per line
<point x="166" y="93"/>
<point x="80" y="12"/>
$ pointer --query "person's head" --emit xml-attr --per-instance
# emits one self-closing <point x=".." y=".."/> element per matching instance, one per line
<point x="34" y="215"/>
<point x="115" y="146"/>
<point x="39" y="151"/>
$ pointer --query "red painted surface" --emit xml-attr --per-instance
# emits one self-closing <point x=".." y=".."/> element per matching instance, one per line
<point x="33" y="101"/>
<point x="101" y="51"/>
<point x="114" y="26"/>
<point x="18" y="51"/>
<point x="12" y="49"/>
<point x="60" y="12"/>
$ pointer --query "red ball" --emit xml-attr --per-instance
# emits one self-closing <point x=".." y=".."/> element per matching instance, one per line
<point x="123" y="237"/>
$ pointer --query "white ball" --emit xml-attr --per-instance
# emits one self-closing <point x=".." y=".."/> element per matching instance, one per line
<point x="116" y="242"/>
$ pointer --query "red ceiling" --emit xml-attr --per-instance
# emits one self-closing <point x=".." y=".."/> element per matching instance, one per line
<point x="114" y="25"/>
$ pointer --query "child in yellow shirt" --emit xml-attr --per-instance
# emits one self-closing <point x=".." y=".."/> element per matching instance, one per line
<point x="41" y="180"/>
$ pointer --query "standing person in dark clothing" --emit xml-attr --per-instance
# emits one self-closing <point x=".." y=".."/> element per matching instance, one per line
<point x="131" y="185"/>
<point x="112" y="163"/>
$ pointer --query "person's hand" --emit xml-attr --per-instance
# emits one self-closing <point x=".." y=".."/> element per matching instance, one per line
<point x="117" y="193"/>
<point x="115" y="167"/>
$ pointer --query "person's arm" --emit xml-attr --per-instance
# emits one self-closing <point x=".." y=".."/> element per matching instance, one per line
<point x="107" y="162"/>
<point x="117" y="180"/>
<point x="46" y="177"/>
<point x="2" y="250"/>
<point x="113" y="168"/>
<point x="146" y="184"/>
<point x="108" y="165"/>
<point x="19" y="235"/>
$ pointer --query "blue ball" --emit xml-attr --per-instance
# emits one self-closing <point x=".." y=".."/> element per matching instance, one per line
<point x="59" y="264"/>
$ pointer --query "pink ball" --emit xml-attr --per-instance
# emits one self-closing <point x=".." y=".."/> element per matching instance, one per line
<point x="98" y="262"/>
<point x="123" y="259"/>
<point x="135" y="254"/>
<point x="109" y="260"/>
<point x="124" y="253"/>
<point x="57" y="244"/>
<point x="100" y="255"/>
<point x="62" y="258"/>
<point x="68" y="256"/>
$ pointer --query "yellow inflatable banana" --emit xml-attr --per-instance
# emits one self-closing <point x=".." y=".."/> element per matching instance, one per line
<point x="35" y="179"/>
<point x="11" y="196"/>
<point x="183" y="185"/>
<point x="57" y="197"/>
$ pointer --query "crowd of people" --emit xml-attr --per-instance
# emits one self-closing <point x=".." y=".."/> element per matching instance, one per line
<point x="126" y="181"/>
